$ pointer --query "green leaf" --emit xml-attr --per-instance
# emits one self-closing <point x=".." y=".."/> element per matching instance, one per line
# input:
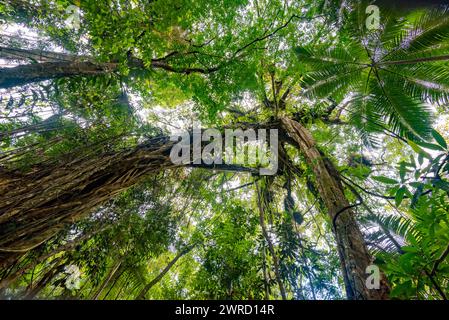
<point x="430" y="146"/>
<point x="415" y="184"/>
<point x="402" y="171"/>
<point x="420" y="159"/>
<point x="403" y="289"/>
<point x="400" y="195"/>
<point x="385" y="180"/>
<point x="418" y="150"/>
<point x="439" y="139"/>
<point x="411" y="249"/>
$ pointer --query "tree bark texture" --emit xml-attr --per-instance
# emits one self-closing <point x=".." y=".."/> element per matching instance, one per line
<point x="352" y="250"/>
<point x="36" y="205"/>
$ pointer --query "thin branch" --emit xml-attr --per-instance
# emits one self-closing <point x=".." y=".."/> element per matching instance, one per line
<point x="274" y="32"/>
<point x="439" y="261"/>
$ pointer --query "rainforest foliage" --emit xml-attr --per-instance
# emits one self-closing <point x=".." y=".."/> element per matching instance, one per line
<point x="91" y="207"/>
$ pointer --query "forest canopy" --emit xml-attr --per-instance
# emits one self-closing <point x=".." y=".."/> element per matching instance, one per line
<point x="93" y="207"/>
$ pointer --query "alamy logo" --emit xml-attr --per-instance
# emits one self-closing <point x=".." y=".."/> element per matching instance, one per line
<point x="73" y="277"/>
<point x="74" y="17"/>
<point x="237" y="147"/>
<point x="373" y="280"/>
<point x="373" y="20"/>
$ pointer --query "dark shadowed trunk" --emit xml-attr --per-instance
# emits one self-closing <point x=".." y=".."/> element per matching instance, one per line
<point x="353" y="252"/>
<point x="48" y="65"/>
<point x="29" y="73"/>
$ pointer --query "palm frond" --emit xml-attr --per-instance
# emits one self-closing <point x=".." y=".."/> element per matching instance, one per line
<point x="424" y="34"/>
<point x="339" y="55"/>
<point x="405" y="114"/>
<point x="396" y="224"/>
<point x="389" y="66"/>
<point x="335" y="82"/>
<point x="428" y="82"/>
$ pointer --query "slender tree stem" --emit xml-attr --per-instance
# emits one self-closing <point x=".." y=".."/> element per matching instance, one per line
<point x="159" y="277"/>
<point x="270" y="245"/>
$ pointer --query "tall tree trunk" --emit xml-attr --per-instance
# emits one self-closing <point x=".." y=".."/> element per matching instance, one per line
<point x="51" y="65"/>
<point x="353" y="252"/>
<point x="265" y="275"/>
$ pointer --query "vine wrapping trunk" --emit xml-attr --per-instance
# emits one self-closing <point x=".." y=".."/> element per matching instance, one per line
<point x="352" y="250"/>
<point x="38" y="204"/>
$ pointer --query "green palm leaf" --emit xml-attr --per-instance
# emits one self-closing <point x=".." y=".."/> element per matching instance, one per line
<point x="399" y="69"/>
